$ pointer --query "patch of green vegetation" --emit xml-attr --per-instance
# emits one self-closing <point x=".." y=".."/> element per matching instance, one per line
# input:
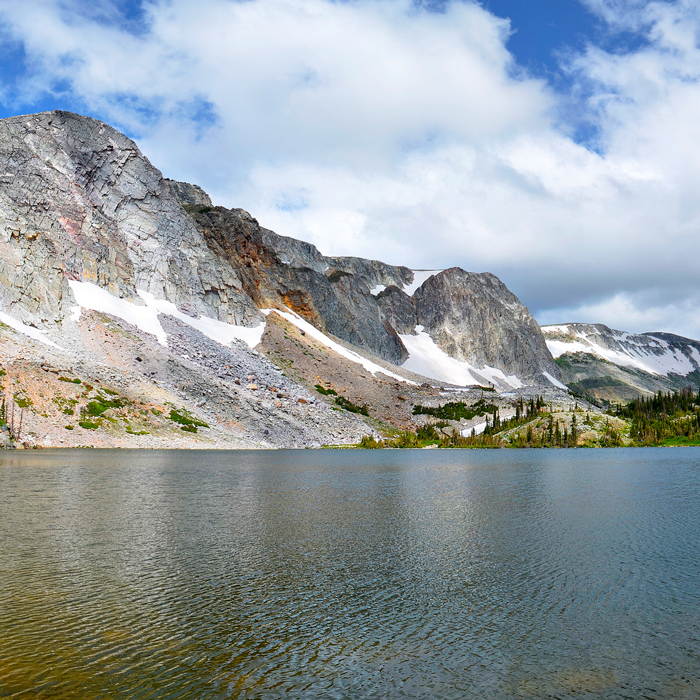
<point x="88" y="425"/>
<point x="69" y="380"/>
<point x="64" y="404"/>
<point x="2" y="372"/>
<point x="111" y="392"/>
<point x="187" y="420"/>
<point x="455" y="410"/>
<point x="97" y="408"/>
<point x="663" y="419"/>
<point x="326" y="392"/>
<point x="23" y="401"/>
<point x="596" y="383"/>
<point x="156" y="412"/>
<point x="350" y="406"/>
<point x="369" y="442"/>
<point x="136" y="432"/>
<point x="68" y="427"/>
<point x="681" y="442"/>
<point x="425" y="436"/>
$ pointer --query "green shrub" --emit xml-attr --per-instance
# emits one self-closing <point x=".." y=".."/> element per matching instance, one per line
<point x="88" y="425"/>
<point x="350" y="406"/>
<point x="97" y="408"/>
<point x="326" y="392"/>
<point x="23" y="401"/>
<point x="69" y="380"/>
<point x="185" y="418"/>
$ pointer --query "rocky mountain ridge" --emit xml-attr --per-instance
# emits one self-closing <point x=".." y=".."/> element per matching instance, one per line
<point x="105" y="263"/>
<point x="612" y="365"/>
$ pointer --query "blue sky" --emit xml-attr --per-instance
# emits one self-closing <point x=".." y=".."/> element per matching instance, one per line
<point x="553" y="143"/>
<point x="543" y="28"/>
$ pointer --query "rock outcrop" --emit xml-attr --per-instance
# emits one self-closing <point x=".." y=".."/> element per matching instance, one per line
<point x="78" y="200"/>
<point x="475" y="318"/>
<point x="472" y="317"/>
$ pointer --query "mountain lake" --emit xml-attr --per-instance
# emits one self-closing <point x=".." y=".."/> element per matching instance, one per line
<point x="350" y="574"/>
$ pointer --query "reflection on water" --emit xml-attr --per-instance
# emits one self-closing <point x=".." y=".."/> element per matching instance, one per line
<point x="455" y="574"/>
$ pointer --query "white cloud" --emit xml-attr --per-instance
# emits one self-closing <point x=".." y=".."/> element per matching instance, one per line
<point x="375" y="128"/>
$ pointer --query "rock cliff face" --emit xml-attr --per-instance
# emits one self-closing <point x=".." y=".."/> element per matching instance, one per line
<point x="472" y="317"/>
<point x="278" y="273"/>
<point x="79" y="203"/>
<point x="475" y="318"/>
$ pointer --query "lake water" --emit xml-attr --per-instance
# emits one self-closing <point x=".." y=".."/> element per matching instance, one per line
<point x="350" y="574"/>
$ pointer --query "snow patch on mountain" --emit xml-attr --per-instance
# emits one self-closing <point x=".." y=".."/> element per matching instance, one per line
<point x="555" y="381"/>
<point x="145" y="317"/>
<point x="474" y="429"/>
<point x="376" y="290"/>
<point x="33" y="333"/>
<point x="427" y="359"/>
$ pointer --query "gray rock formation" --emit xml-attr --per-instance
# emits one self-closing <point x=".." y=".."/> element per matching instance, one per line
<point x="78" y="200"/>
<point x="298" y="277"/>
<point x="474" y="317"/>
<point x="189" y="195"/>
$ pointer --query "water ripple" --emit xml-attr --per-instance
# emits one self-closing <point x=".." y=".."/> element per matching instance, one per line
<point x="543" y="574"/>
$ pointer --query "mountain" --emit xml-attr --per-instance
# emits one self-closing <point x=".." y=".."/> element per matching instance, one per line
<point x="610" y="365"/>
<point x="115" y="278"/>
<point x="454" y="326"/>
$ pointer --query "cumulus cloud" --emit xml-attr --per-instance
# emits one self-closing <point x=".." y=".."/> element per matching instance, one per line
<point x="382" y="129"/>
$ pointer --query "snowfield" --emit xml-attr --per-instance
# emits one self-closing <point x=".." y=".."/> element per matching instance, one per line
<point x="90" y="296"/>
<point x="27" y="330"/>
<point x="427" y="359"/>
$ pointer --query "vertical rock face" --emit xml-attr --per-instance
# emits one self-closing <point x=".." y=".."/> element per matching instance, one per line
<point x="278" y="272"/>
<point x="475" y="318"/>
<point x="472" y="317"/>
<point x="78" y="200"/>
<point x="190" y="196"/>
